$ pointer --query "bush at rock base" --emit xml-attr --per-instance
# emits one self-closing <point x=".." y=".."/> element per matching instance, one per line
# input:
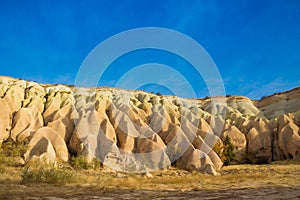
<point x="228" y="155"/>
<point x="40" y="172"/>
<point x="80" y="162"/>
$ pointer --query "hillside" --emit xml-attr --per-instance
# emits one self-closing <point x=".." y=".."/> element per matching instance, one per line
<point x="138" y="131"/>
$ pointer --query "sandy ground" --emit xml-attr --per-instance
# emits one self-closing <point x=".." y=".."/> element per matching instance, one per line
<point x="35" y="192"/>
<point x="279" y="180"/>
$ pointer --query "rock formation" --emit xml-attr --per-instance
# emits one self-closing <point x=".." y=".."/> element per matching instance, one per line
<point x="139" y="131"/>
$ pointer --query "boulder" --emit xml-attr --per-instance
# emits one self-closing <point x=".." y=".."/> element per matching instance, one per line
<point x="42" y="149"/>
<point x="56" y="140"/>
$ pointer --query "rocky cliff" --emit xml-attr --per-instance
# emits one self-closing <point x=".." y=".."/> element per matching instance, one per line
<point x="139" y="131"/>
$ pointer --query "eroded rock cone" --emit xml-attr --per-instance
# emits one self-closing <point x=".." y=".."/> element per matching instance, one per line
<point x="26" y="122"/>
<point x="50" y="137"/>
<point x="289" y="141"/>
<point x="260" y="143"/>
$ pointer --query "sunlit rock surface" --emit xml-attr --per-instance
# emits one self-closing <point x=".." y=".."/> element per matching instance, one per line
<point x="139" y="131"/>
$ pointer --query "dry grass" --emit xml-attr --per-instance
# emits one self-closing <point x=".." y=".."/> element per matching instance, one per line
<point x="279" y="174"/>
<point x="283" y="175"/>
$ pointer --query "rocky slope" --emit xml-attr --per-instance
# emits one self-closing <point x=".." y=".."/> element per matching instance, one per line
<point x="280" y="103"/>
<point x="138" y="131"/>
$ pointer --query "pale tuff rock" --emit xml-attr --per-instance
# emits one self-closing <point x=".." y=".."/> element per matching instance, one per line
<point x="25" y="123"/>
<point x="55" y="140"/>
<point x="287" y="138"/>
<point x="139" y="131"/>
<point x="41" y="149"/>
<point x="5" y="120"/>
<point x="14" y="96"/>
<point x="4" y="86"/>
<point x="57" y="98"/>
<point x="63" y="126"/>
<point x="238" y="139"/>
<point x="243" y="105"/>
<point x="280" y="103"/>
<point x="297" y="118"/>
<point x="289" y="141"/>
<point x="75" y="145"/>
<point x="284" y="120"/>
<point x="34" y="96"/>
<point x="260" y="140"/>
<point x="207" y="133"/>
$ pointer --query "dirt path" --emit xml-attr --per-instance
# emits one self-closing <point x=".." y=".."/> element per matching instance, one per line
<point x="52" y="192"/>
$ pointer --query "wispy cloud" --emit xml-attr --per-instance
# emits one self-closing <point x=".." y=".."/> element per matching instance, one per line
<point x="258" y="89"/>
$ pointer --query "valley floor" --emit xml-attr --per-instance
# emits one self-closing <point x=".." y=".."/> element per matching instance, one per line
<point x="35" y="192"/>
<point x="279" y="180"/>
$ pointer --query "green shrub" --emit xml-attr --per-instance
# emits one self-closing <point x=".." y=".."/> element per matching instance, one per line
<point x="219" y="148"/>
<point x="80" y="162"/>
<point x="228" y="152"/>
<point x="14" y="149"/>
<point x="225" y="151"/>
<point x="46" y="173"/>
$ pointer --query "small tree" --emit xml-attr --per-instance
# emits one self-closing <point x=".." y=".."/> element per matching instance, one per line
<point x="228" y="153"/>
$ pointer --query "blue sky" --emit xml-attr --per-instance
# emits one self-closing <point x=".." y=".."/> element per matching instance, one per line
<point x="255" y="44"/>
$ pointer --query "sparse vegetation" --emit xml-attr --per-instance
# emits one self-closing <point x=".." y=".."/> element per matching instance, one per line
<point x="41" y="172"/>
<point x="11" y="153"/>
<point x="80" y="162"/>
<point x="219" y="149"/>
<point x="80" y="174"/>
<point x="58" y="181"/>
<point x="13" y="149"/>
<point x="278" y="173"/>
